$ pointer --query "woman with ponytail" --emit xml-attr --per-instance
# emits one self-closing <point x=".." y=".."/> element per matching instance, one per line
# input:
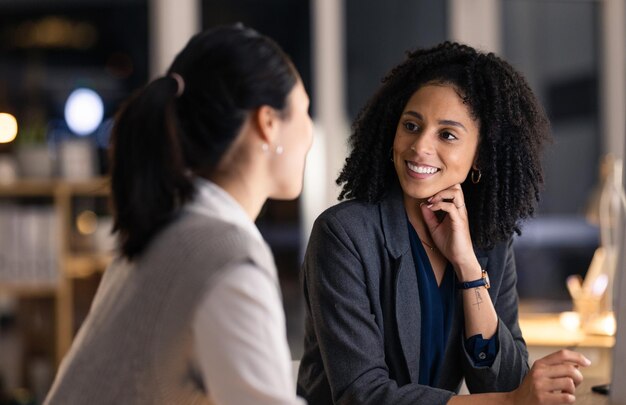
<point x="190" y="311"/>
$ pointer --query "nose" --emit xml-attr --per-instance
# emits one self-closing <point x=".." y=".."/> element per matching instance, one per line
<point x="310" y="131"/>
<point x="424" y="144"/>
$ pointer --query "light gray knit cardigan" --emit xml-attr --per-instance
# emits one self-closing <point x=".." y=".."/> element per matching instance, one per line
<point x="135" y="347"/>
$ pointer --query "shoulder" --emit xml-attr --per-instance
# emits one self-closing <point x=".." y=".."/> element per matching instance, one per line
<point x="354" y="226"/>
<point x="350" y="208"/>
<point x="349" y="221"/>
<point x="195" y="238"/>
<point x="499" y="251"/>
<point x="350" y="214"/>
<point x="209" y="229"/>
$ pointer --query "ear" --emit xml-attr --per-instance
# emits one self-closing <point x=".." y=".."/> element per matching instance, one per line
<point x="265" y="119"/>
<point x="475" y="163"/>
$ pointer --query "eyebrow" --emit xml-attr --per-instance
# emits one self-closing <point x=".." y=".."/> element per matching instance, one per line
<point x="441" y="122"/>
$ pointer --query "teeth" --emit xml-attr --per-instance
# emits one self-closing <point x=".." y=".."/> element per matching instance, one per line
<point x="421" y="169"/>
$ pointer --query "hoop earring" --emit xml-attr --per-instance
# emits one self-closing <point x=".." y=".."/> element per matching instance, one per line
<point x="475" y="179"/>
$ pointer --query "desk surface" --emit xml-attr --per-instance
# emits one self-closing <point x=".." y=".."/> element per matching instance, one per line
<point x="584" y="395"/>
<point x="546" y="330"/>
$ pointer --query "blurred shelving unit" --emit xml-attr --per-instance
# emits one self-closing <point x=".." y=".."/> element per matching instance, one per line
<point x="72" y="263"/>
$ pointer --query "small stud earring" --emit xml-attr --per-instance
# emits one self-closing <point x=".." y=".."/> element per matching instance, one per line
<point x="265" y="147"/>
<point x="279" y="150"/>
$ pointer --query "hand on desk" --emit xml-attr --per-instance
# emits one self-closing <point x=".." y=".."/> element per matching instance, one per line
<point x="552" y="379"/>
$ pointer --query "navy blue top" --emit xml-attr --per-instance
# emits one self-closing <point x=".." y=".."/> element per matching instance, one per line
<point x="437" y="304"/>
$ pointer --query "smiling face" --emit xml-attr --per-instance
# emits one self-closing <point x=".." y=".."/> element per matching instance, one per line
<point x="435" y="142"/>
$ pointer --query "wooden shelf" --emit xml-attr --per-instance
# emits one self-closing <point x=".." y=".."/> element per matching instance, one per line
<point x="29" y="188"/>
<point x="29" y="289"/>
<point x="61" y="194"/>
<point x="84" y="265"/>
<point x="50" y="187"/>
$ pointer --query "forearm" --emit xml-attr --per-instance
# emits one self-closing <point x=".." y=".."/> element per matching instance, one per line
<point x="480" y="314"/>
<point x="510" y="364"/>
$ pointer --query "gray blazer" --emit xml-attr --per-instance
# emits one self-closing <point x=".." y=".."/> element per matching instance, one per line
<point x="362" y="338"/>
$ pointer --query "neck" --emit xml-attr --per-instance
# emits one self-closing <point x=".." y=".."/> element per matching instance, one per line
<point x="244" y="189"/>
<point x="413" y="211"/>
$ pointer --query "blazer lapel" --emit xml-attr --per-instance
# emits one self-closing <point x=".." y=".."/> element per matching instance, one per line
<point x="407" y="301"/>
<point x="408" y="314"/>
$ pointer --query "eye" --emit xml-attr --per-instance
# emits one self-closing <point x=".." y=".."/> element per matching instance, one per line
<point x="411" y="126"/>
<point x="448" y="136"/>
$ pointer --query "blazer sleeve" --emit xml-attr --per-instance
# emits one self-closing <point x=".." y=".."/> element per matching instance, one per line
<point x="350" y="342"/>
<point x="511" y="362"/>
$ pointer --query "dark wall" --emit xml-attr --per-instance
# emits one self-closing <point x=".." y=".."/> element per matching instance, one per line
<point x="556" y="45"/>
<point x="378" y="33"/>
<point x="285" y="21"/>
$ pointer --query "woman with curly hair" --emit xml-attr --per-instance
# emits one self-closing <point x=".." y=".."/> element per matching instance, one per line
<point x="410" y="285"/>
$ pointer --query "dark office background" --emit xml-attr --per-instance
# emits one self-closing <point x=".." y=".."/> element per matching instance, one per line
<point x="555" y="44"/>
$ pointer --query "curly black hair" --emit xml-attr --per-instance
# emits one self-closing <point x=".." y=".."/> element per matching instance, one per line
<point x="513" y="129"/>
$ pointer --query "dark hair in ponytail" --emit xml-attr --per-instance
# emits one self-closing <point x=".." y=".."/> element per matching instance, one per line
<point x="171" y="129"/>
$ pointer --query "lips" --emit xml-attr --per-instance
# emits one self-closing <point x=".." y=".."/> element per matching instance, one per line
<point x="422" y="170"/>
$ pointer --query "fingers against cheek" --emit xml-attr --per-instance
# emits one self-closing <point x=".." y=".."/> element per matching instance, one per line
<point x="429" y="217"/>
<point x="452" y="198"/>
<point x="446" y="196"/>
<point x="448" y="207"/>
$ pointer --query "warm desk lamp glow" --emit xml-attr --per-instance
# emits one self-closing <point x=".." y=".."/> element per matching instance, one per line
<point x="593" y="297"/>
<point x="8" y="128"/>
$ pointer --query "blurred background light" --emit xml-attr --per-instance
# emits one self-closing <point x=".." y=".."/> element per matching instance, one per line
<point x="54" y="32"/>
<point x="84" y="111"/>
<point x="8" y="128"/>
<point x="87" y="222"/>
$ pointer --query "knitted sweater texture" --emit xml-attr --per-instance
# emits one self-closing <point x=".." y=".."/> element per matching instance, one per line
<point x="136" y="345"/>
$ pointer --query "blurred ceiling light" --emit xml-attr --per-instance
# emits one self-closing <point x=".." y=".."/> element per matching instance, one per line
<point x="8" y="128"/>
<point x="50" y="31"/>
<point x="55" y="32"/>
<point x="84" y="111"/>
